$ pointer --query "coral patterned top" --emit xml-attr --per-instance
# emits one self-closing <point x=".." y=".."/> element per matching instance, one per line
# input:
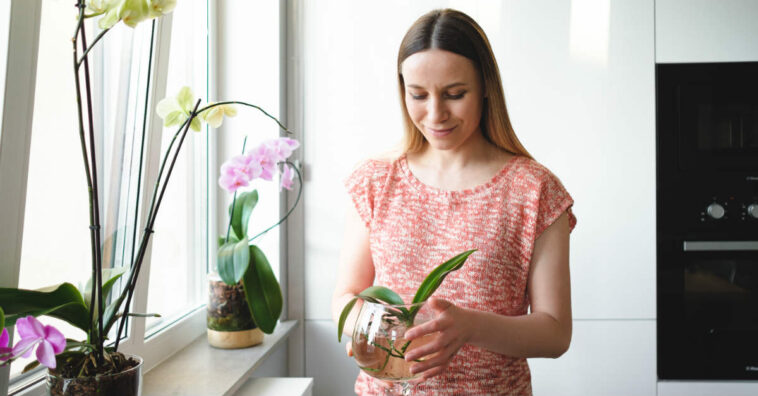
<point x="414" y="227"/>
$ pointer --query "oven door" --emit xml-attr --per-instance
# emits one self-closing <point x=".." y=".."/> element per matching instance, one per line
<point x="708" y="311"/>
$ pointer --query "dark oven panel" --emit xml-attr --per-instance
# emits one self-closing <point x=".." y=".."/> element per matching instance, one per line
<point x="707" y="220"/>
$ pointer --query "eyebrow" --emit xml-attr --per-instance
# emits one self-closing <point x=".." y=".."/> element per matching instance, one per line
<point x="445" y="87"/>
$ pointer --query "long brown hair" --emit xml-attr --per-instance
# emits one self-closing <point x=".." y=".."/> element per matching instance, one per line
<point x="454" y="31"/>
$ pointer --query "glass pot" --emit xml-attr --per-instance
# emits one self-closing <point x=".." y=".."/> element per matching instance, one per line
<point x="379" y="345"/>
<point x="125" y="383"/>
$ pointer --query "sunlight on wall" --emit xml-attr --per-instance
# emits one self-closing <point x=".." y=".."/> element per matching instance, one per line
<point x="589" y="30"/>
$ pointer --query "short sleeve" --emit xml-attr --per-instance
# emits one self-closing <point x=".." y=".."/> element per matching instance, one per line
<point x="553" y="201"/>
<point x="361" y="185"/>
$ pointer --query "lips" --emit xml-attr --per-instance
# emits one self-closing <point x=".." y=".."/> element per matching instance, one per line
<point x="438" y="132"/>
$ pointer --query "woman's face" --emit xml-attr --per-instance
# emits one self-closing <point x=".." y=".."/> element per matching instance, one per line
<point x="443" y="95"/>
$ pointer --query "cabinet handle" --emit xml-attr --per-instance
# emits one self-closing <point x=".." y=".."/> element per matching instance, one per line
<point x="715" y="246"/>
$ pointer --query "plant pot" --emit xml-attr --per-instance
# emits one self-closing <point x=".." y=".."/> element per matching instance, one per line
<point x="125" y="383"/>
<point x="229" y="322"/>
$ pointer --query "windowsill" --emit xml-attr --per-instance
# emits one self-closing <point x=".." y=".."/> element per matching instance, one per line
<point x="200" y="369"/>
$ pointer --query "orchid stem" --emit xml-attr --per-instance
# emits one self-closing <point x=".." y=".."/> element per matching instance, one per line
<point x="289" y="212"/>
<point x="234" y="200"/>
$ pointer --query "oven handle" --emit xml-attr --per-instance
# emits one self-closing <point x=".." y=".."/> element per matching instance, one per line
<point x="719" y="246"/>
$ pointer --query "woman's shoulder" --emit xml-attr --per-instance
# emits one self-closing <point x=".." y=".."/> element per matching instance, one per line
<point x="529" y="168"/>
<point x="528" y="177"/>
<point x="377" y="164"/>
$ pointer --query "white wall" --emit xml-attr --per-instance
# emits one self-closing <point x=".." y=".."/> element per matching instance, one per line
<point x="579" y="82"/>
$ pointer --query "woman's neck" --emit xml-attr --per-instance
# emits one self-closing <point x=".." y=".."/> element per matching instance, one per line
<point x="463" y="167"/>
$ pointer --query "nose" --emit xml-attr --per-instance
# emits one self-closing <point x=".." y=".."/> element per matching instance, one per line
<point x="437" y="111"/>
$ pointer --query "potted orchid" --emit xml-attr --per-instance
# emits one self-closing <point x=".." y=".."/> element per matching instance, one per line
<point x="245" y="300"/>
<point x="94" y="366"/>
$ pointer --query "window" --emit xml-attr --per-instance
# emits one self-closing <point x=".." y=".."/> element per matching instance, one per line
<point x="55" y="246"/>
<point x="178" y="258"/>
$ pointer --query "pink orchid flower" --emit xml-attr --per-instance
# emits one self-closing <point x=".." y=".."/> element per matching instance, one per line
<point x="286" y="178"/>
<point x="5" y="352"/>
<point x="48" y="340"/>
<point x="266" y="157"/>
<point x="282" y="148"/>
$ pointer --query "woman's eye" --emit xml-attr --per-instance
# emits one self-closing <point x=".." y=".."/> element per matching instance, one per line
<point x="418" y="97"/>
<point x="456" y="96"/>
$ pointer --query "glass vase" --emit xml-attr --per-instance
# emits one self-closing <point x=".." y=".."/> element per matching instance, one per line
<point x="229" y="322"/>
<point x="379" y="344"/>
<point x="125" y="383"/>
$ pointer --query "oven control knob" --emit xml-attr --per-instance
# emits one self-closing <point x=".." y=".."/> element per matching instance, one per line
<point x="715" y="211"/>
<point x="752" y="210"/>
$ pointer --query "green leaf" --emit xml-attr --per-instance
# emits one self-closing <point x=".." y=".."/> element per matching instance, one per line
<point x="382" y="293"/>
<point x="226" y="262"/>
<point x="2" y="319"/>
<point x="144" y="315"/>
<point x="243" y="207"/>
<point x="241" y="259"/>
<point x="31" y="366"/>
<point x="232" y="238"/>
<point x="343" y="317"/>
<point x="109" y="315"/>
<point x="65" y="302"/>
<point x="435" y="278"/>
<point x="371" y="294"/>
<point x="111" y="275"/>
<point x="264" y="297"/>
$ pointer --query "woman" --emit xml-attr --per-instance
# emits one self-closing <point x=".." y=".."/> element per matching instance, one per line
<point x="464" y="181"/>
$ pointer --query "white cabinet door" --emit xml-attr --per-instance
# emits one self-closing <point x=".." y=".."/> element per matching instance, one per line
<point x="706" y="31"/>
<point x="605" y="358"/>
<point x="580" y="86"/>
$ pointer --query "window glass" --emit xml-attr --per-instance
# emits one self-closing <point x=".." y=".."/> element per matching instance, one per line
<point x="56" y="236"/>
<point x="257" y="81"/>
<point x="178" y="259"/>
<point x="5" y="14"/>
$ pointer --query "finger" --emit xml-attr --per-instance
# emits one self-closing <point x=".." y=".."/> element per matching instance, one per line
<point x="439" y="304"/>
<point x="434" y="372"/>
<point x="349" y="349"/>
<point x="441" y="358"/>
<point x="423" y="329"/>
<point x="435" y="346"/>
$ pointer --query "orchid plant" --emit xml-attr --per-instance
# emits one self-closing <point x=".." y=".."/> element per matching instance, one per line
<point x="238" y="259"/>
<point x="94" y="310"/>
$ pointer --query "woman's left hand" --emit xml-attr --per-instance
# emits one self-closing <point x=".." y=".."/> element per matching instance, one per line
<point x="454" y="329"/>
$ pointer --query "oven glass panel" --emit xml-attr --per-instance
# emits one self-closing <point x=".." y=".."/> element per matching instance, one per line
<point x="726" y="129"/>
<point x="721" y="292"/>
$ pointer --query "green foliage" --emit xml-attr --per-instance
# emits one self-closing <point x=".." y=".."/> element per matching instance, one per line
<point x="2" y="319"/>
<point x="240" y="211"/>
<point x="233" y="261"/>
<point x="64" y="302"/>
<point x="385" y="295"/>
<point x="240" y="261"/>
<point x="264" y="297"/>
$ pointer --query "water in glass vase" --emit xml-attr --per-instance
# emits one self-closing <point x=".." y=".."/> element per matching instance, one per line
<point x="384" y="357"/>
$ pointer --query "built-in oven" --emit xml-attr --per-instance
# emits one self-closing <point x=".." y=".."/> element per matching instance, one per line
<point x="707" y="220"/>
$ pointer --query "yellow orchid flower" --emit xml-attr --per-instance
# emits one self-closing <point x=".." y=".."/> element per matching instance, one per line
<point x="175" y="110"/>
<point x="215" y="116"/>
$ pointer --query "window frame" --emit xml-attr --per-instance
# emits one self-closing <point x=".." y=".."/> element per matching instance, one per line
<point x="14" y="161"/>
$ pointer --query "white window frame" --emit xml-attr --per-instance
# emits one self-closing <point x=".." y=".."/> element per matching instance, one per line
<point x="14" y="161"/>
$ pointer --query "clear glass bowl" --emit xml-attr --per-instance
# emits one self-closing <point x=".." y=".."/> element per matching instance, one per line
<point x="379" y="344"/>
